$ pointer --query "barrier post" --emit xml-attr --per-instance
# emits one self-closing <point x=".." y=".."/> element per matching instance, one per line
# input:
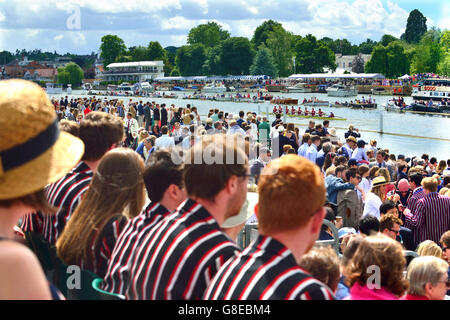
<point x="381" y="121"/>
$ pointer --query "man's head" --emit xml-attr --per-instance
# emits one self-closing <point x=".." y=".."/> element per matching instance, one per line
<point x="216" y="170"/>
<point x="285" y="183"/>
<point x="100" y="132"/>
<point x="380" y="156"/>
<point x="430" y="184"/>
<point x="319" y="127"/>
<point x="390" y="225"/>
<point x="164" y="180"/>
<point x="351" y="141"/>
<point x="306" y="138"/>
<point x="264" y="154"/>
<point x="352" y="163"/>
<point x="340" y="172"/>
<point x="415" y="180"/>
<point x="326" y="123"/>
<point x="389" y="207"/>
<point x="445" y="244"/>
<point x="164" y="129"/>
<point x="129" y="115"/>
<point x="241" y="114"/>
<point x="315" y="140"/>
<point x="149" y="142"/>
<point x="369" y="225"/>
<point x="312" y="124"/>
<point x="353" y="176"/>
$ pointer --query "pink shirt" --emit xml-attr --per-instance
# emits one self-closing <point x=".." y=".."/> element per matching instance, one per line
<point x="359" y="292"/>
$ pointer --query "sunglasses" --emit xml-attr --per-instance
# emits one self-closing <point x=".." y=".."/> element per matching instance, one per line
<point x="395" y="231"/>
<point x="447" y="283"/>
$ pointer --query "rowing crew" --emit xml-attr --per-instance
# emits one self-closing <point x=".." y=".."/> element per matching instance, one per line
<point x="299" y="112"/>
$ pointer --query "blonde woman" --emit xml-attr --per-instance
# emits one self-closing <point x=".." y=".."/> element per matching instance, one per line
<point x="383" y="172"/>
<point x="115" y="195"/>
<point x="429" y="248"/>
<point x="143" y="134"/>
<point x="375" y="197"/>
<point x="441" y="167"/>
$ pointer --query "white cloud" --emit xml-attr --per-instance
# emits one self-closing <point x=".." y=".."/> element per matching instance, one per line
<point x="444" y="21"/>
<point x="58" y="37"/>
<point x="2" y="17"/>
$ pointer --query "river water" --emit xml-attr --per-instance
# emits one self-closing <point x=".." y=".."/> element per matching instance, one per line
<point x="424" y="133"/>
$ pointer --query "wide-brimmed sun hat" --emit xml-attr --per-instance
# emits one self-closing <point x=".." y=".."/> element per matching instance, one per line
<point x="33" y="151"/>
<point x="379" y="181"/>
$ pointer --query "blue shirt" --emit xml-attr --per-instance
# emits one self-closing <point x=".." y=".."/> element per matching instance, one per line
<point x="360" y="154"/>
<point x="311" y="153"/>
<point x="334" y="185"/>
<point x="140" y="150"/>
<point x="302" y="150"/>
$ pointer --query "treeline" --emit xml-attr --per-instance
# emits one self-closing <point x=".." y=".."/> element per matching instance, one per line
<point x="274" y="51"/>
<point x="84" y="61"/>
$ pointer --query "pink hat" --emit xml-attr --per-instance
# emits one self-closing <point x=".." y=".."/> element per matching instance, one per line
<point x="403" y="185"/>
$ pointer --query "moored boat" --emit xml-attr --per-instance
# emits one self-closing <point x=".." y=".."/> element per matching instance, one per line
<point x="363" y="105"/>
<point x="284" y="101"/>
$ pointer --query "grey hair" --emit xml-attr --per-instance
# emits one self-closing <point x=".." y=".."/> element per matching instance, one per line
<point x="423" y="270"/>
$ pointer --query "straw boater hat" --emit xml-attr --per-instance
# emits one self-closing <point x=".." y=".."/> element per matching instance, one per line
<point x="379" y="181"/>
<point x="33" y="152"/>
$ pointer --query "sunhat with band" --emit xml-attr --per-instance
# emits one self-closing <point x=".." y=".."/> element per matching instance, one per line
<point x="33" y="151"/>
<point x="379" y="181"/>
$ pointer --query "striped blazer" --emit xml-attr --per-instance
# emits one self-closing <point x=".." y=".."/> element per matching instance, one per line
<point x="266" y="270"/>
<point x="431" y="217"/>
<point x="117" y="277"/>
<point x="65" y="195"/>
<point x="178" y="257"/>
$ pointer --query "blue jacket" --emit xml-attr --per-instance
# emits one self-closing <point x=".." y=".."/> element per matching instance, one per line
<point x="333" y="185"/>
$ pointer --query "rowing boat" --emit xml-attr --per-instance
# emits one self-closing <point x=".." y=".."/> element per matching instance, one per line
<point x="310" y="117"/>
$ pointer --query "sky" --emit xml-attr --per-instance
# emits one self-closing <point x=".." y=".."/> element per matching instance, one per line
<point x="77" y="26"/>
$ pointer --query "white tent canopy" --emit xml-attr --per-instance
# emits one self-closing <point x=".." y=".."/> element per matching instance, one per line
<point x="337" y="76"/>
<point x="405" y="76"/>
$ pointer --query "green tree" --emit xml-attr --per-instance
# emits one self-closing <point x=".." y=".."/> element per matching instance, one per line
<point x="344" y="47"/>
<point x="70" y="74"/>
<point x="391" y="61"/>
<point x="279" y="43"/>
<point x="139" y="53"/>
<point x="262" y="32"/>
<point x="416" y="26"/>
<point x="6" y="57"/>
<point x="175" y="72"/>
<point x="386" y="39"/>
<point x="190" y="59"/>
<point x="444" y="65"/>
<point x="358" y="64"/>
<point x="209" y="34"/>
<point x="378" y="61"/>
<point x="236" y="56"/>
<point x="112" y="46"/>
<point x="428" y="53"/>
<point x="367" y="46"/>
<point x="397" y="61"/>
<point x="213" y="65"/>
<point x="263" y="63"/>
<point x="156" y="51"/>
<point x="312" y="55"/>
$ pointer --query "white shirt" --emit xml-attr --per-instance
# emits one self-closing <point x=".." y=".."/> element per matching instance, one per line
<point x="372" y="205"/>
<point x="164" y="142"/>
<point x="133" y="125"/>
<point x="366" y="185"/>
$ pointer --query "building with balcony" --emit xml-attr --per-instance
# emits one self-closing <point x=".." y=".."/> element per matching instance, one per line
<point x="345" y="63"/>
<point x="134" y="71"/>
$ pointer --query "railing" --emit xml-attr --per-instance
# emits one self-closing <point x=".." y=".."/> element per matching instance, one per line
<point x="131" y="71"/>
